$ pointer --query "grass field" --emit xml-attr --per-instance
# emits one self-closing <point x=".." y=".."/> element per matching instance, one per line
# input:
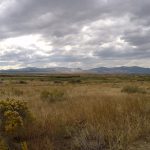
<point x="80" y="111"/>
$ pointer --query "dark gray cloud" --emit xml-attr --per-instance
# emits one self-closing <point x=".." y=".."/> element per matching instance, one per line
<point x="81" y="33"/>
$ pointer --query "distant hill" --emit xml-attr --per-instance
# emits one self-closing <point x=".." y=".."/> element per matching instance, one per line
<point x="100" y="70"/>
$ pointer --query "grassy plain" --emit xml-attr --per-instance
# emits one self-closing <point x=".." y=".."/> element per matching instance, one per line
<point x="82" y="111"/>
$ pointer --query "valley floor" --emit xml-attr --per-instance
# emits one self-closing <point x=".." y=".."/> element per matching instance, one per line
<point x="80" y="112"/>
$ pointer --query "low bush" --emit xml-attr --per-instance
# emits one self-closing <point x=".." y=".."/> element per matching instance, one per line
<point x="133" y="89"/>
<point x="75" y="81"/>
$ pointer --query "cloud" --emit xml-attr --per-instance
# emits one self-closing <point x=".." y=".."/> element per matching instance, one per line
<point x="81" y="33"/>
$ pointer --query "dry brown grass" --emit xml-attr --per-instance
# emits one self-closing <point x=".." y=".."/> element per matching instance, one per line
<point x="90" y="116"/>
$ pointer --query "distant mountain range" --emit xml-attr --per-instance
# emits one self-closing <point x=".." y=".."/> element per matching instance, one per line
<point x="121" y="70"/>
<point x="42" y="70"/>
<point x="100" y="70"/>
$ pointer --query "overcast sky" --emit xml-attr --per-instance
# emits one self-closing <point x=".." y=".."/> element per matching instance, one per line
<point x="74" y="33"/>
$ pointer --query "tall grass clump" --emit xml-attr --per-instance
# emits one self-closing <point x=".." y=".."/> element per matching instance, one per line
<point x="90" y="139"/>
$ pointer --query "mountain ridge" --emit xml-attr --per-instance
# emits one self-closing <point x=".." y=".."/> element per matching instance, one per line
<point x="98" y="70"/>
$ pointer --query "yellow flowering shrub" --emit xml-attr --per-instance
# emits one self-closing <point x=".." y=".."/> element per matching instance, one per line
<point x="13" y="121"/>
<point x="14" y="115"/>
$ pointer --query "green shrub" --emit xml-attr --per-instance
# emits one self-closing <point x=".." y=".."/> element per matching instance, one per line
<point x="22" y="82"/>
<point x="53" y="95"/>
<point x="133" y="89"/>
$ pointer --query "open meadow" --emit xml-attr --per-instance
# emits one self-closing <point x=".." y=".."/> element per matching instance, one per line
<point x="74" y="111"/>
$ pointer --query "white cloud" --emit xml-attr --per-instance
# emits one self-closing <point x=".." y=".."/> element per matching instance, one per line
<point x="81" y="33"/>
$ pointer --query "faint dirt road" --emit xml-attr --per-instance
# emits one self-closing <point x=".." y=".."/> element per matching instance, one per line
<point x="141" y="145"/>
